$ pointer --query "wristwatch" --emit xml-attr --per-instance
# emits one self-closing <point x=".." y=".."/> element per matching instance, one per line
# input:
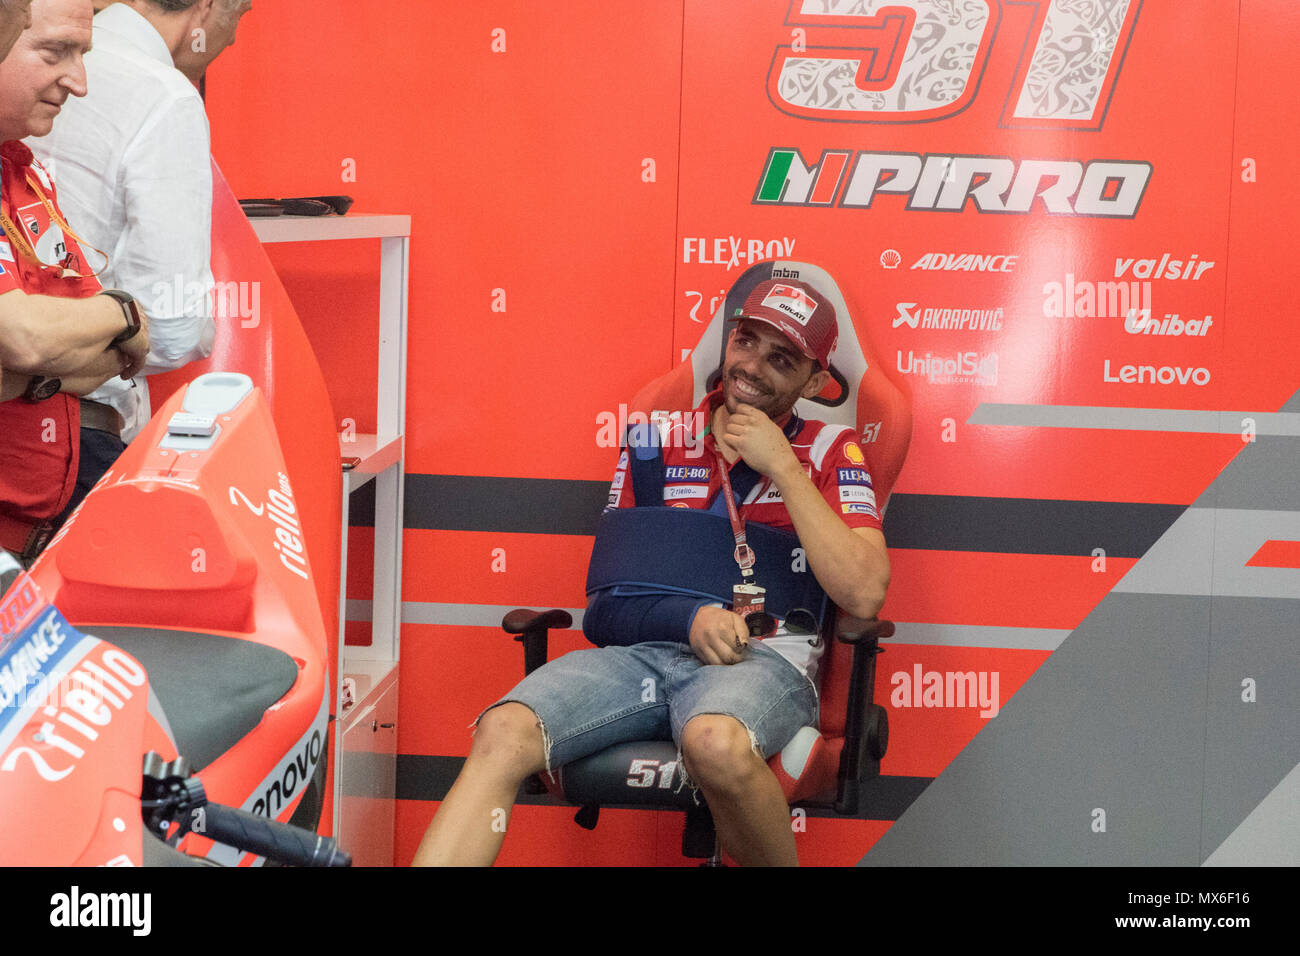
<point x="41" y="387"/>
<point x="130" y="310"/>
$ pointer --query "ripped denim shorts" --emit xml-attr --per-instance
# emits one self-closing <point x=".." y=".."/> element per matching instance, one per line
<point x="592" y="699"/>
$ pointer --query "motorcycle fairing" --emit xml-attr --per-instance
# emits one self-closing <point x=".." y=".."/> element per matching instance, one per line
<point x="74" y="718"/>
<point x="196" y="544"/>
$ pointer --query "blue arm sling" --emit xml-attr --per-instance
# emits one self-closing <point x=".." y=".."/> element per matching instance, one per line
<point x="652" y="566"/>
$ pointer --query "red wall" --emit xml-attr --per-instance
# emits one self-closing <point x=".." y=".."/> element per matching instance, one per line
<point x="525" y="170"/>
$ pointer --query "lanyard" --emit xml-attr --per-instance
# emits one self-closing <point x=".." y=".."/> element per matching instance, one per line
<point x="744" y="554"/>
<point x="24" y="248"/>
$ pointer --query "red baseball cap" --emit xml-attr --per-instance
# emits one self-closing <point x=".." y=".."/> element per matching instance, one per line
<point x="801" y="313"/>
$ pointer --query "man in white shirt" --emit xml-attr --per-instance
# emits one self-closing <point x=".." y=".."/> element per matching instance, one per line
<point x="216" y="31"/>
<point x="132" y="165"/>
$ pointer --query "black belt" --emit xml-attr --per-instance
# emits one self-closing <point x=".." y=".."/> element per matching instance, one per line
<point x="103" y="418"/>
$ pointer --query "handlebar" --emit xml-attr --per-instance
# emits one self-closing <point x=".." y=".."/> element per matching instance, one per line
<point x="272" y="839"/>
<point x="170" y="794"/>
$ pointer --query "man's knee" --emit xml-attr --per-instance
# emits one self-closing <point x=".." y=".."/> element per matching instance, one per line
<point x="720" y="752"/>
<point x="510" y="735"/>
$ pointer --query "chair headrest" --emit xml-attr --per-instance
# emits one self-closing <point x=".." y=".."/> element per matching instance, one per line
<point x="861" y="396"/>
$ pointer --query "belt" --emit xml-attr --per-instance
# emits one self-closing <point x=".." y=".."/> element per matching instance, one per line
<point x="24" y="539"/>
<point x="103" y="418"/>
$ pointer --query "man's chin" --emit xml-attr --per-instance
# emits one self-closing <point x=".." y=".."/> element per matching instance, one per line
<point x="733" y="403"/>
<point x="40" y="126"/>
<point x="763" y="405"/>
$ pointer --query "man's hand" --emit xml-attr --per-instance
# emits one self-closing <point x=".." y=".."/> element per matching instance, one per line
<point x="90" y="376"/>
<point x="760" y="443"/>
<point x="135" y="350"/>
<point x="719" y="636"/>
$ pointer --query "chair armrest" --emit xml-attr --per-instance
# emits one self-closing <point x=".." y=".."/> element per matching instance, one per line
<point x="530" y="628"/>
<point x="866" y="724"/>
<point x="854" y="630"/>
<point x="522" y="620"/>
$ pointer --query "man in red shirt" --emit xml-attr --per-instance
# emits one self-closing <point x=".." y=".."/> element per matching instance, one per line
<point x="59" y="337"/>
<point x="730" y="701"/>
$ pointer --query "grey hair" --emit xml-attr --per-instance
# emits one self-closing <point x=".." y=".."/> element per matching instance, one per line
<point x="174" y="6"/>
<point x="180" y="6"/>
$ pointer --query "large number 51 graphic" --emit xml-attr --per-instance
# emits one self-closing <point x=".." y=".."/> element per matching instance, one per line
<point x="914" y="61"/>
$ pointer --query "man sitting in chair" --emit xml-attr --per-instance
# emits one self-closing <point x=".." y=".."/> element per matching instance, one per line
<point x="729" y="701"/>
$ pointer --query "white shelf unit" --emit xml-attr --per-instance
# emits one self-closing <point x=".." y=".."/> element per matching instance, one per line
<point x="365" y="457"/>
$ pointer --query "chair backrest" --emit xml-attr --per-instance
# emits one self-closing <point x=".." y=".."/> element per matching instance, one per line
<point x="861" y="396"/>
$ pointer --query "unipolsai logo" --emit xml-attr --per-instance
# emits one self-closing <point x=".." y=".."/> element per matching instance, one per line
<point x="973" y="368"/>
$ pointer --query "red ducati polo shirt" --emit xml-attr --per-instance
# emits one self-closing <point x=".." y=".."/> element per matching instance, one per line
<point x="39" y="449"/>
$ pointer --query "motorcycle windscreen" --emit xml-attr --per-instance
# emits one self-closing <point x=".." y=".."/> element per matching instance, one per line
<point x="259" y="334"/>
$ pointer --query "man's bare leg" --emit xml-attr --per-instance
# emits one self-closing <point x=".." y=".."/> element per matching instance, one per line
<point x="470" y="825"/>
<point x="749" y="809"/>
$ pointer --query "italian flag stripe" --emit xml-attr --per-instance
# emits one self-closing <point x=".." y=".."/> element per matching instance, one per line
<point x="778" y="165"/>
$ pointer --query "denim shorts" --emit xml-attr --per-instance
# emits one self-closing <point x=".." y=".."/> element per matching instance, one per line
<point x="592" y="699"/>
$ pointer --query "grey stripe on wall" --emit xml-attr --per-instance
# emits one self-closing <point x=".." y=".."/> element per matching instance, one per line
<point x="1136" y="419"/>
<point x="945" y="635"/>
<point x="928" y="522"/>
<point x="1025" y="525"/>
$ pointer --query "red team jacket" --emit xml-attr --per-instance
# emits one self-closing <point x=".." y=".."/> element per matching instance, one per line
<point x="829" y="453"/>
<point x="39" y="449"/>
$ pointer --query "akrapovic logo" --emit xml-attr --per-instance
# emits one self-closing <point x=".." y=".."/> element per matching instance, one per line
<point x="914" y="316"/>
<point x="937" y="183"/>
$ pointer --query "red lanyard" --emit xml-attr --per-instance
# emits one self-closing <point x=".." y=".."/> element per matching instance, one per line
<point x="744" y="554"/>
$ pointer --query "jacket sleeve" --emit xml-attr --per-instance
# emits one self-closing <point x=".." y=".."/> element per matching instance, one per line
<point x="625" y="619"/>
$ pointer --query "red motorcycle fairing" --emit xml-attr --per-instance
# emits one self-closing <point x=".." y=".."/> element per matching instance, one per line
<point x="189" y="552"/>
<point x="74" y="714"/>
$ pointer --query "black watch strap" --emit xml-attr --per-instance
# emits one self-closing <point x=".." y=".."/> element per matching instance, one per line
<point x="130" y="311"/>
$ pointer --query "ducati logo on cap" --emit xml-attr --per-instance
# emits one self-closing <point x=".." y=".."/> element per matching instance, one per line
<point x="791" y="301"/>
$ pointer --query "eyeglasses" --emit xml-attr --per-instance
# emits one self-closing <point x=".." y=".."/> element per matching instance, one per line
<point x="763" y="625"/>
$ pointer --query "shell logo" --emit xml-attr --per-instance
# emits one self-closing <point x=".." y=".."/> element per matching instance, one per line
<point x="853" y="453"/>
<point x="890" y="258"/>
